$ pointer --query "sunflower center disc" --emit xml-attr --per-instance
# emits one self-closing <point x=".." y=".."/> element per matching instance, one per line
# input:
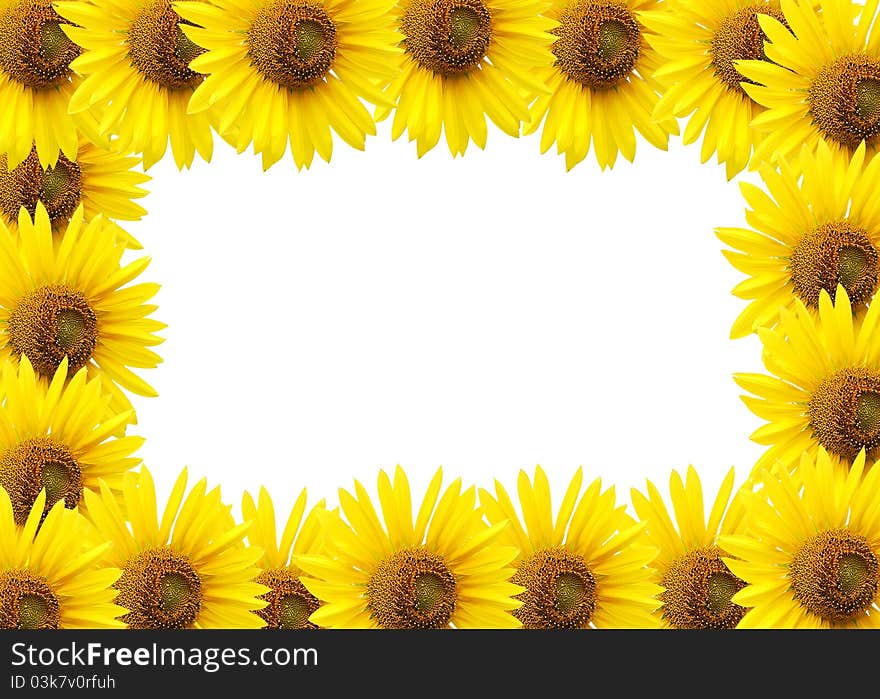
<point x="832" y="254"/>
<point x="868" y="99"/>
<point x="160" y="51"/>
<point x="35" y="464"/>
<point x="26" y="602"/>
<point x="598" y="43"/>
<point x="845" y="100"/>
<point x="834" y="575"/>
<point x="412" y="589"/>
<point x="844" y="412"/>
<point x="429" y="593"/>
<point x="698" y="589"/>
<point x="570" y="592"/>
<point x="59" y="188"/>
<point x="560" y="590"/>
<point x="51" y="323"/>
<point x="868" y="411"/>
<point x="447" y="37"/>
<point x="34" y="50"/>
<point x="739" y="37"/>
<point x="290" y="604"/>
<point x="161" y="590"/>
<point x="293" y="45"/>
<point x="175" y="592"/>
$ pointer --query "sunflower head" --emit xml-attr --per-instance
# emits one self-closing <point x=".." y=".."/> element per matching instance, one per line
<point x="833" y="253"/>
<point x="43" y="451"/>
<point x="572" y="567"/>
<point x="697" y="591"/>
<point x="834" y="575"/>
<point x="161" y="590"/>
<point x="159" y="50"/>
<point x="845" y="100"/>
<point x="697" y="584"/>
<point x="293" y="44"/>
<point x="48" y="575"/>
<point x="58" y="188"/>
<point x="739" y="37"/>
<point x="39" y="464"/>
<point x="187" y="569"/>
<point x="445" y="569"/>
<point x="825" y="388"/>
<point x="288" y="603"/>
<point x="844" y="411"/>
<point x="60" y="304"/>
<point x="598" y="43"/>
<point x="810" y="552"/>
<point x="560" y="590"/>
<point x="412" y="589"/>
<point x="53" y="323"/>
<point x="447" y="37"/>
<point x="34" y="50"/>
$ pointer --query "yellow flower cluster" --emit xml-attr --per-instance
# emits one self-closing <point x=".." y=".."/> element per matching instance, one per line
<point x="789" y="88"/>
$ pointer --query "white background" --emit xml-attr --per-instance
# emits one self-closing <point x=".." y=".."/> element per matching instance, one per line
<point x="485" y="314"/>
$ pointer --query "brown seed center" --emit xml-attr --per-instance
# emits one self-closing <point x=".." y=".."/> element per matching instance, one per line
<point x="447" y="37"/>
<point x="560" y="590"/>
<point x="290" y="603"/>
<point x="412" y="589"/>
<point x="161" y="589"/>
<point x="844" y="412"/>
<point x="37" y="464"/>
<point x="698" y="591"/>
<point x="845" y="100"/>
<point x="598" y="43"/>
<point x="160" y="50"/>
<point x="34" y="50"/>
<point x="27" y="602"/>
<point x="834" y="575"/>
<point x="831" y="254"/>
<point x="51" y="323"/>
<point x="739" y="37"/>
<point x="292" y="44"/>
<point x="59" y="188"/>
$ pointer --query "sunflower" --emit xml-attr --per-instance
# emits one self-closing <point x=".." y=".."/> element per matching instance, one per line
<point x="71" y="298"/>
<point x="48" y="573"/>
<point x="583" y="571"/>
<point x="811" y="554"/>
<point x="464" y="60"/>
<point x="826" y="385"/>
<point x="282" y="70"/>
<point x="36" y="83"/>
<point x="446" y="569"/>
<point x="56" y="437"/>
<point x="821" y="83"/>
<point x="816" y="226"/>
<point x="289" y="603"/>
<point x="602" y="85"/>
<point x="135" y="61"/>
<point x="102" y="181"/>
<point x="701" y="43"/>
<point x="188" y="569"/>
<point x="697" y="585"/>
